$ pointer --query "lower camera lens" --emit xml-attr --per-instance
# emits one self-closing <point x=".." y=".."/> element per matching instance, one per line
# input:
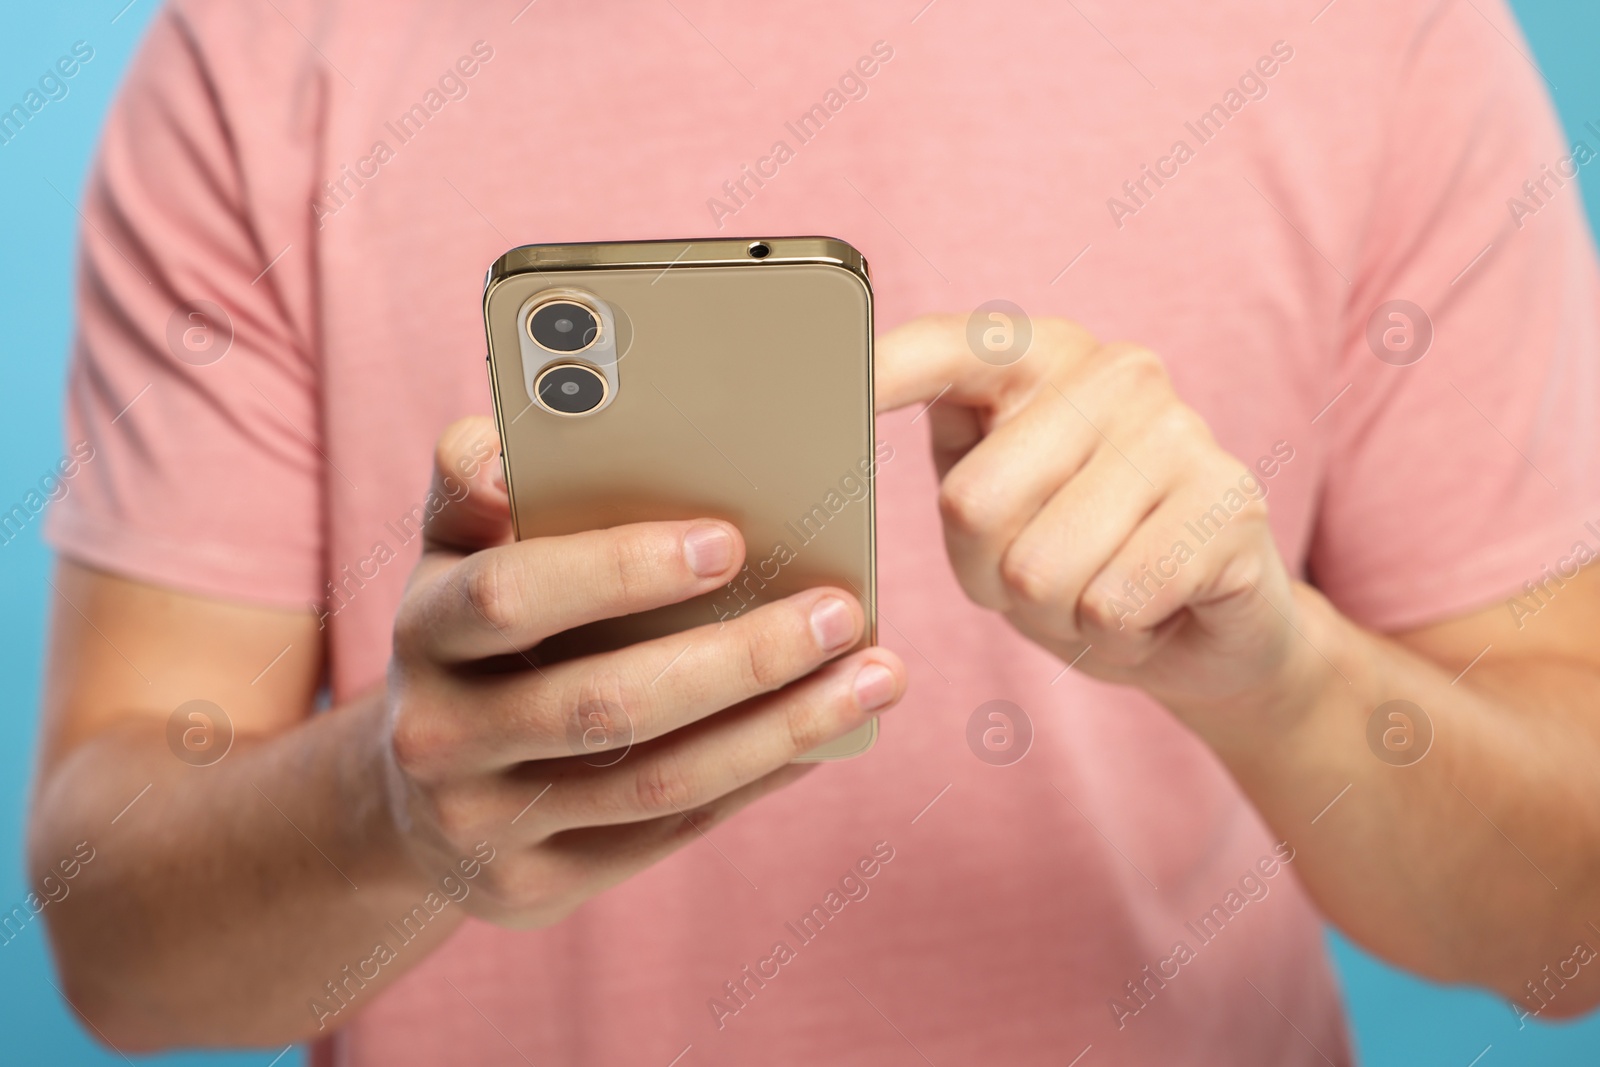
<point x="563" y="326"/>
<point x="571" y="389"/>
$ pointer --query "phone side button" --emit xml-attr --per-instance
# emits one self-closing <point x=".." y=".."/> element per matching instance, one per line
<point x="505" y="468"/>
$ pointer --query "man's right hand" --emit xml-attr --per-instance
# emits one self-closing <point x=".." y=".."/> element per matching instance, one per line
<point x="482" y="743"/>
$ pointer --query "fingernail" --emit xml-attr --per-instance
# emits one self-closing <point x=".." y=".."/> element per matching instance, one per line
<point x="874" y="686"/>
<point x="832" y="624"/>
<point x="708" y="550"/>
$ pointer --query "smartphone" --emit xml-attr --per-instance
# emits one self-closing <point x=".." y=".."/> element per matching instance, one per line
<point x="660" y="380"/>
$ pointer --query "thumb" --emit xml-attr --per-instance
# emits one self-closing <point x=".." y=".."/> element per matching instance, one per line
<point x="468" y="479"/>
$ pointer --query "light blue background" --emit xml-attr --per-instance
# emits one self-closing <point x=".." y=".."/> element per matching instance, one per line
<point x="1398" y="1020"/>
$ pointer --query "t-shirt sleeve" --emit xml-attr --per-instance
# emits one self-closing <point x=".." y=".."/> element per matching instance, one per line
<point x="1454" y="478"/>
<point x="192" y="386"/>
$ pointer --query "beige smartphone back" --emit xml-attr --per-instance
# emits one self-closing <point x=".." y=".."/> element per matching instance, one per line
<point x="677" y="379"/>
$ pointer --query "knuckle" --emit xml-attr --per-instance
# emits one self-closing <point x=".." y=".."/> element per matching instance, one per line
<point x="490" y="587"/>
<point x="498" y="881"/>
<point x="456" y="816"/>
<point x="416" y="744"/>
<point x="661" y="786"/>
<point x="444" y="449"/>
<point x="1136" y="366"/>
<point x="526" y="883"/>
<point x="809" y="723"/>
<point x="1178" y="424"/>
<point x="963" y="504"/>
<point x="764" y="660"/>
<point x="1253" y="514"/>
<point x="563" y="883"/>
<point x="411" y="628"/>
<point x="630" y="565"/>
<point x="1255" y="509"/>
<point x="1234" y="491"/>
<point x="453" y="443"/>
<point x="1030" y="575"/>
<point x="581" y="713"/>
<point x="1100" y="613"/>
<point x="512" y="872"/>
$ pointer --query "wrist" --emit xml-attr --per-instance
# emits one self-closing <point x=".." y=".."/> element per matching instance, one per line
<point x="1326" y="666"/>
<point x="374" y="799"/>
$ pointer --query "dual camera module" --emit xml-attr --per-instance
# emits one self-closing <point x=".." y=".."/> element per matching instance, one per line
<point x="572" y="342"/>
<point x="565" y="327"/>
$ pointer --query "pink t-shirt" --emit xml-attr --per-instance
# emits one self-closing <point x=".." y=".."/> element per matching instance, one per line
<point x="1237" y="185"/>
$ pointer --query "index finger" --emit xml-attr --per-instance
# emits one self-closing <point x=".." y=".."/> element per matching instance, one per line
<point x="467" y="507"/>
<point x="508" y="598"/>
<point x="930" y="358"/>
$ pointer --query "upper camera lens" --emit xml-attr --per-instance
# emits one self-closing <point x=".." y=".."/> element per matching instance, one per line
<point x="563" y="326"/>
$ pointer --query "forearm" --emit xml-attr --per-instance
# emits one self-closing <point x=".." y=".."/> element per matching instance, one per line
<point x="222" y="900"/>
<point x="1477" y="862"/>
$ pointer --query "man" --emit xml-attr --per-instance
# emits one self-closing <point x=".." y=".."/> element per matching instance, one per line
<point x="1286" y="618"/>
